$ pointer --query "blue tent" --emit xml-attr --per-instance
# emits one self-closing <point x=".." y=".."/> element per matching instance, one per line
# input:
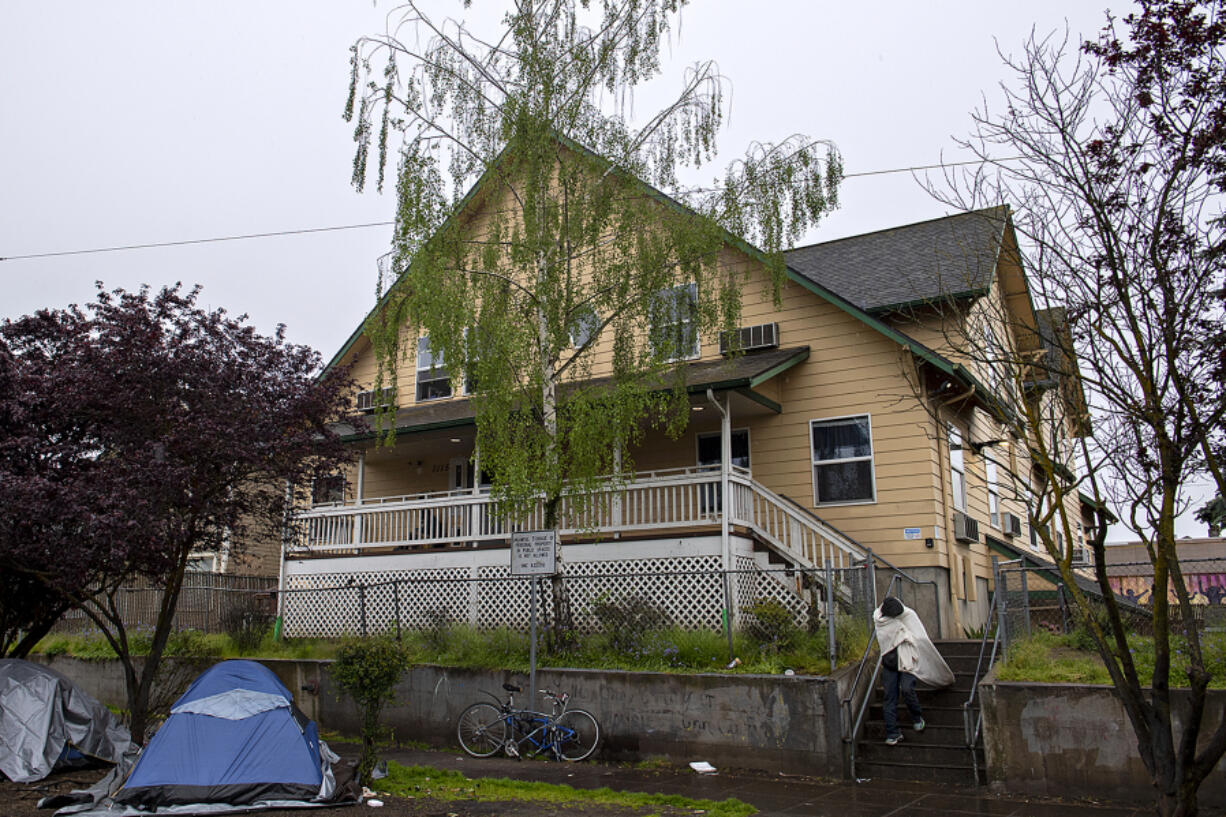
<point x="234" y="739"/>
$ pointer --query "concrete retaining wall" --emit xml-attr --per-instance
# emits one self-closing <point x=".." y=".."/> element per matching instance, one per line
<point x="1072" y="740"/>
<point x="777" y="723"/>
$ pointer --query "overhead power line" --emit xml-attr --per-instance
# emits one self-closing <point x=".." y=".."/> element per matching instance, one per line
<point x="337" y="228"/>
<point x="186" y="242"/>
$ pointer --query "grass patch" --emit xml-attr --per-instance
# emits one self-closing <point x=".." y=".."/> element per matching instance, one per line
<point x="423" y="781"/>
<point x="1049" y="658"/>
<point x="669" y="649"/>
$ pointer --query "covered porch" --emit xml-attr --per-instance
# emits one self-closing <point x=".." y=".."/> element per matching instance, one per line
<point x="428" y="493"/>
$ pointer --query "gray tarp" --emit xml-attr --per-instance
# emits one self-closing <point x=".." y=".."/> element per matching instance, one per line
<point x="41" y="713"/>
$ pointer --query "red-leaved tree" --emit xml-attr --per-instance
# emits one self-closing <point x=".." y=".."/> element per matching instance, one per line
<point x="137" y="431"/>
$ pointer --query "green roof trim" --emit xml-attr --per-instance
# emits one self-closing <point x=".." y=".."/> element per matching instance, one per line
<point x="780" y="368"/>
<point x="761" y="399"/>
<point x="969" y="294"/>
<point x="370" y="435"/>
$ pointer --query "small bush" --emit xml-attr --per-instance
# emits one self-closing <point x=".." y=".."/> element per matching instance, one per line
<point x="54" y="645"/>
<point x="192" y="644"/>
<point x="436" y="634"/>
<point x="772" y="625"/>
<point x="367" y="670"/>
<point x="247" y="618"/>
<point x="628" y="621"/>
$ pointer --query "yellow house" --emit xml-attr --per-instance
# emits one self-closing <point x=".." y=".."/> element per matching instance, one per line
<point x="860" y="424"/>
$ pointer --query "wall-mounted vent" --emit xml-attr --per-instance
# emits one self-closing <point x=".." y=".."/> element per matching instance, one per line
<point x="965" y="528"/>
<point x="747" y="338"/>
<point x="1013" y="525"/>
<point x="371" y="400"/>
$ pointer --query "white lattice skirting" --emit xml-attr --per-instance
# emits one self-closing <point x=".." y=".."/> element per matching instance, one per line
<point x="329" y="598"/>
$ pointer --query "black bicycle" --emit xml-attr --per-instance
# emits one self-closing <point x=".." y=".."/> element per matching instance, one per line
<point x="564" y="734"/>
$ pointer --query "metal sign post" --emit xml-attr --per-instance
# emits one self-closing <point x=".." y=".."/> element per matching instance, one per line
<point x="533" y="553"/>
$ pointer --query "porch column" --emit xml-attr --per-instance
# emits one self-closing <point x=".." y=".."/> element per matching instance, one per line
<point x="725" y="469"/>
<point x="617" y="491"/>
<point x="474" y="510"/>
<point x="360" y="492"/>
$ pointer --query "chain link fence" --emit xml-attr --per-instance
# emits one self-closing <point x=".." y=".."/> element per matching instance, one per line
<point x="1031" y="598"/>
<point x="626" y="612"/>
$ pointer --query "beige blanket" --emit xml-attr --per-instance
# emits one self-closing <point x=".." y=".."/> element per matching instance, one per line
<point x="916" y="652"/>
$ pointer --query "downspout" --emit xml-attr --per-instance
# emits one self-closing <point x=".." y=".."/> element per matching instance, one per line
<point x="725" y="459"/>
<point x="357" y="500"/>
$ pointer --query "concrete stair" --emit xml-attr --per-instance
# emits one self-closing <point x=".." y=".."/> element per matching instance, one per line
<point x="939" y="753"/>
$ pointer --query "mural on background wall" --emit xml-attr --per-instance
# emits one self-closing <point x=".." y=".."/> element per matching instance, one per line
<point x="1205" y="588"/>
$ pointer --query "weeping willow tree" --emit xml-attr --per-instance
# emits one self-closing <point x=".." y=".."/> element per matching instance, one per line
<point x="546" y="255"/>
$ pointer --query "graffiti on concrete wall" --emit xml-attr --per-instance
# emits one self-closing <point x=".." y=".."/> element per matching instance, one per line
<point x="1204" y="588"/>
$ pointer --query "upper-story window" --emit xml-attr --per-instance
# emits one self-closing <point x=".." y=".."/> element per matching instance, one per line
<point x="583" y="326"/>
<point x="993" y="480"/>
<point x="843" y="460"/>
<point x="674" y="328"/>
<point x="957" y="469"/>
<point x="433" y="382"/>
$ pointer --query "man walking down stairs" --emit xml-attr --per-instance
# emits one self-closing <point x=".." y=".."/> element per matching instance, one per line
<point x="938" y="752"/>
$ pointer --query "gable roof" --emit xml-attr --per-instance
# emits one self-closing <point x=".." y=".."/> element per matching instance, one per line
<point x="950" y="257"/>
<point x="984" y="270"/>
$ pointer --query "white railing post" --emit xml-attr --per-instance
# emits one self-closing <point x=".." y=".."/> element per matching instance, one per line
<point x="356" y="533"/>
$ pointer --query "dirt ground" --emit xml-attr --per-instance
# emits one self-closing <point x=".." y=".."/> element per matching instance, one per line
<point x="21" y="799"/>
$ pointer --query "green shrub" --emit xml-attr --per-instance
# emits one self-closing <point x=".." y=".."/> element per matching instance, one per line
<point x="628" y="622"/>
<point x="772" y="625"/>
<point x="247" y="619"/>
<point x="192" y="644"/>
<point x="367" y="670"/>
<point x="436" y="634"/>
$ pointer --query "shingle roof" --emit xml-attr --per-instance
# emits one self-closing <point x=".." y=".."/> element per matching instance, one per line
<point x="947" y="257"/>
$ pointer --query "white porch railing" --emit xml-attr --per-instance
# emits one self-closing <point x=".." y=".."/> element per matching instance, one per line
<point x="653" y="500"/>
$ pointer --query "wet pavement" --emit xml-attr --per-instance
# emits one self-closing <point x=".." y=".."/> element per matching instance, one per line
<point x="774" y="795"/>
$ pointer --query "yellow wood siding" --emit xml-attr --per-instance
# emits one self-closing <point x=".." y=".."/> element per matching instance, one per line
<point x="852" y="369"/>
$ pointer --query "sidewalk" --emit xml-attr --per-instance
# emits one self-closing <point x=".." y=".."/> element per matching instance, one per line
<point x="774" y="796"/>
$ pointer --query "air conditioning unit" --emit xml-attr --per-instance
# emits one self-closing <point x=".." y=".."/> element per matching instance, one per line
<point x="1013" y="525"/>
<point x="372" y="400"/>
<point x="747" y="338"/>
<point x="1081" y="557"/>
<point x="965" y="528"/>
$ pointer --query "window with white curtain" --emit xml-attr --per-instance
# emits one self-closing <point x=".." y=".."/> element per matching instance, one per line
<point x="843" y="460"/>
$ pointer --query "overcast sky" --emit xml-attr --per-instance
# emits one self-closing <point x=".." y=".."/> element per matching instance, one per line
<point x="142" y="122"/>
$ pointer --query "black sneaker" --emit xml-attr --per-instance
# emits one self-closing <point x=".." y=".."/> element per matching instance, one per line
<point x="893" y="740"/>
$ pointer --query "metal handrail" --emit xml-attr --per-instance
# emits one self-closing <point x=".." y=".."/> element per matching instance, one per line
<point x="970" y="731"/>
<point x="854" y="734"/>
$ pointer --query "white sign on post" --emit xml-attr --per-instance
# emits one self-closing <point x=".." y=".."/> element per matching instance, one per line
<point x="533" y="553"/>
